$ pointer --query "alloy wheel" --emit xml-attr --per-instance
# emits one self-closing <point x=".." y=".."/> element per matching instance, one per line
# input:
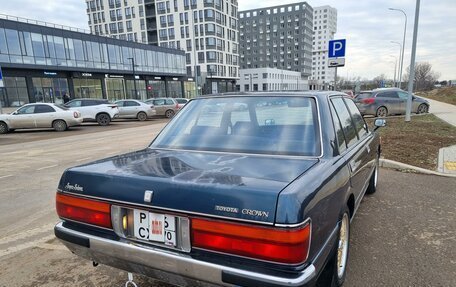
<point x="382" y="112"/>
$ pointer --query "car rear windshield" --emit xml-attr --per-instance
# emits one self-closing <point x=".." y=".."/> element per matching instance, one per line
<point x="364" y="95"/>
<point x="278" y="125"/>
<point x="62" y="107"/>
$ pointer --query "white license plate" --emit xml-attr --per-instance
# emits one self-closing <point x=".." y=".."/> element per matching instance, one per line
<point x="155" y="227"/>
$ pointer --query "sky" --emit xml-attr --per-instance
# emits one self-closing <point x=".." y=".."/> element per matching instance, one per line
<point x="367" y="25"/>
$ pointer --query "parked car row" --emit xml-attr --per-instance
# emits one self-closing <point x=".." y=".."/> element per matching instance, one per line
<point x="388" y="101"/>
<point x="73" y="113"/>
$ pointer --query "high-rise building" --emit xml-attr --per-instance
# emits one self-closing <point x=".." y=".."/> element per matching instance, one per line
<point x="277" y="37"/>
<point x="325" y="26"/>
<point x="205" y="29"/>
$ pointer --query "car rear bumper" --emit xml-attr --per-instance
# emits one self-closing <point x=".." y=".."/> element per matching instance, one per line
<point x="168" y="265"/>
<point x="75" y="122"/>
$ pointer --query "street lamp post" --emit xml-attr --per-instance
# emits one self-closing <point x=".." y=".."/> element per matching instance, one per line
<point x="403" y="44"/>
<point x="412" y="63"/>
<point x="395" y="68"/>
<point x="400" y="48"/>
<point x="134" y="76"/>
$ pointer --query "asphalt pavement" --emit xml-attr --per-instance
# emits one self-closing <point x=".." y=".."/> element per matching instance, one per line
<point x="403" y="235"/>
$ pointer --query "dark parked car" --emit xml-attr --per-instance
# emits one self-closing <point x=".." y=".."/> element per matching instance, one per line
<point x="261" y="196"/>
<point x="388" y="101"/>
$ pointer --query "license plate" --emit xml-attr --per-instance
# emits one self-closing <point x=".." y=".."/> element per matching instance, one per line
<point x="155" y="227"/>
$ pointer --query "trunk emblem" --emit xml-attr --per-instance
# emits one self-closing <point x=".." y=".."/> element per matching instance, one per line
<point x="148" y="195"/>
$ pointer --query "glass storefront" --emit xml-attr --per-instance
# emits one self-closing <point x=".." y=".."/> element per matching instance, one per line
<point x="189" y="90"/>
<point x="49" y="90"/>
<point x="175" y="89"/>
<point x="115" y="89"/>
<point x="87" y="88"/>
<point x="157" y="89"/>
<point x="140" y="88"/>
<point x="15" y="93"/>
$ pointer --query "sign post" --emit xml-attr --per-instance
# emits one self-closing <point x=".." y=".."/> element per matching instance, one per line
<point x="1" y="88"/>
<point x="336" y="56"/>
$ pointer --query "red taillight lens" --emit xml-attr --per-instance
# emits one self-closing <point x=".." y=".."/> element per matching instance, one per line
<point x="282" y="245"/>
<point x="177" y="106"/>
<point x="368" y="101"/>
<point x="75" y="115"/>
<point x="84" y="210"/>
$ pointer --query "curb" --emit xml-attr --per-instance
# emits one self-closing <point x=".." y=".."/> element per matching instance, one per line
<point x="386" y="163"/>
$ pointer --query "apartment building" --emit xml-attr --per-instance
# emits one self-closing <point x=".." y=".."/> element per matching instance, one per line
<point x="205" y="29"/>
<point x="277" y="37"/>
<point x="271" y="79"/>
<point x="324" y="28"/>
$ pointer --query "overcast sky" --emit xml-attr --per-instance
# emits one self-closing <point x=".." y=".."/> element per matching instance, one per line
<point x="367" y="25"/>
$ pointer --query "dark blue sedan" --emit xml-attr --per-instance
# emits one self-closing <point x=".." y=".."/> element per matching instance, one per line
<point x="261" y="195"/>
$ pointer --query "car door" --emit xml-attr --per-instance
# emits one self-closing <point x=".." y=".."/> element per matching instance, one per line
<point x="120" y="105"/>
<point x="389" y="99"/>
<point x="44" y="116"/>
<point x="160" y="106"/>
<point x="132" y="108"/>
<point x="403" y="96"/>
<point x="356" y="152"/>
<point x="23" y="118"/>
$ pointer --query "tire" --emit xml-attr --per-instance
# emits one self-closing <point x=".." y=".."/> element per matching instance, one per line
<point x="103" y="119"/>
<point x="382" y="112"/>
<point x="372" y="188"/>
<point x="422" y="109"/>
<point x="59" y="125"/>
<point x="3" y="128"/>
<point x="169" y="114"/>
<point x="141" y="116"/>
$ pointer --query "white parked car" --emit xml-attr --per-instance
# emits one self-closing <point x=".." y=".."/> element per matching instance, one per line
<point x="40" y="115"/>
<point x="134" y="109"/>
<point x="99" y="110"/>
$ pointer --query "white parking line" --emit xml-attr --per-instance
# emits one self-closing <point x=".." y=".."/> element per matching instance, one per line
<point x="5" y="176"/>
<point x="83" y="159"/>
<point x="46" y="167"/>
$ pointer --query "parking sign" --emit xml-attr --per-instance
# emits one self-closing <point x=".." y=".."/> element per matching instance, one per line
<point x="336" y="48"/>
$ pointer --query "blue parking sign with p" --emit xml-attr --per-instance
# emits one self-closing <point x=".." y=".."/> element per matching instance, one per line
<point x="336" y="48"/>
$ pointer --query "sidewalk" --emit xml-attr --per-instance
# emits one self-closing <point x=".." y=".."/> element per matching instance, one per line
<point x="447" y="155"/>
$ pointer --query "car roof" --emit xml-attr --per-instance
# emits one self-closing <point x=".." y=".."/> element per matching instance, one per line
<point x="316" y="94"/>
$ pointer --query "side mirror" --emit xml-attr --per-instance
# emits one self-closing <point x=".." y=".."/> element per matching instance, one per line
<point x="379" y="123"/>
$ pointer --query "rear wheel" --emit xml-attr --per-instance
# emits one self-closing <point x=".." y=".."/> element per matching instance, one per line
<point x="59" y="125"/>
<point x="382" y="112"/>
<point x="141" y="116"/>
<point x="103" y="119"/>
<point x="3" y="128"/>
<point x="169" y="114"/>
<point x="422" y="109"/>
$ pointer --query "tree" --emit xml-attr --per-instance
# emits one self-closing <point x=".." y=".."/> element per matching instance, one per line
<point x="424" y="76"/>
<point x="380" y="80"/>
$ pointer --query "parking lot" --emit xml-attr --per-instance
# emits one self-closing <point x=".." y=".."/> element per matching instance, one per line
<point x="404" y="235"/>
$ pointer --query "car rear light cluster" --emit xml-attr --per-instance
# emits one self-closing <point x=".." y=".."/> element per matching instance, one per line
<point x="177" y="106"/>
<point x="113" y="106"/>
<point x="368" y="101"/>
<point x="84" y="210"/>
<point x="281" y="245"/>
<point x="75" y="115"/>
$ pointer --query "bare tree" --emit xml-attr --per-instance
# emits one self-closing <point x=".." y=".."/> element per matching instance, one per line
<point x="424" y="76"/>
<point x="379" y="80"/>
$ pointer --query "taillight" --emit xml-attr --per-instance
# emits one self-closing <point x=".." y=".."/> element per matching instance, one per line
<point x="113" y="106"/>
<point x="368" y="101"/>
<point x="75" y="115"/>
<point x="84" y="210"/>
<point x="281" y="245"/>
<point x="177" y="106"/>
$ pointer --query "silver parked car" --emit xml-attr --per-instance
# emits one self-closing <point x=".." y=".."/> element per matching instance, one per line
<point x="167" y="107"/>
<point x="388" y="101"/>
<point x="41" y="115"/>
<point x="134" y="109"/>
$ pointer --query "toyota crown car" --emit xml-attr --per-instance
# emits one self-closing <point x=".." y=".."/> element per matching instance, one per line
<point x="40" y="115"/>
<point x="261" y="196"/>
<point x="388" y="101"/>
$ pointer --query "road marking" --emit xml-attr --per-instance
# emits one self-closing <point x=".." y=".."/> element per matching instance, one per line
<point x="46" y="167"/>
<point x="27" y="245"/>
<point x="5" y="176"/>
<point x="27" y="233"/>
<point x="83" y="159"/>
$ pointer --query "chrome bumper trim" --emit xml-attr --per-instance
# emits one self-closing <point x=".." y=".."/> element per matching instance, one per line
<point x="139" y="258"/>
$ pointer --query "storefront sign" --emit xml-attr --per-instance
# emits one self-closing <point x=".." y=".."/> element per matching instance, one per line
<point x="175" y="79"/>
<point x="113" y="76"/>
<point x="86" y="74"/>
<point x="157" y="78"/>
<point x="137" y="77"/>
<point x="50" y="73"/>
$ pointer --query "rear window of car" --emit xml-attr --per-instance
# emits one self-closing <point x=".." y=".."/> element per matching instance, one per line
<point x="285" y="125"/>
<point x="363" y="96"/>
<point x="62" y="107"/>
<point x="181" y="101"/>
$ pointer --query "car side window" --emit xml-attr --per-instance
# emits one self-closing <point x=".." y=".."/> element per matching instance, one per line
<point x="360" y="124"/>
<point x="159" y="102"/>
<point x="120" y="103"/>
<point x="88" y="103"/>
<point x="390" y="95"/>
<point x="169" y="102"/>
<point x="339" y="132"/>
<point x="26" y="110"/>
<point x="131" y="104"/>
<point x="403" y="95"/>
<point x="346" y="121"/>
<point x="40" y="109"/>
<point x="74" y="104"/>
